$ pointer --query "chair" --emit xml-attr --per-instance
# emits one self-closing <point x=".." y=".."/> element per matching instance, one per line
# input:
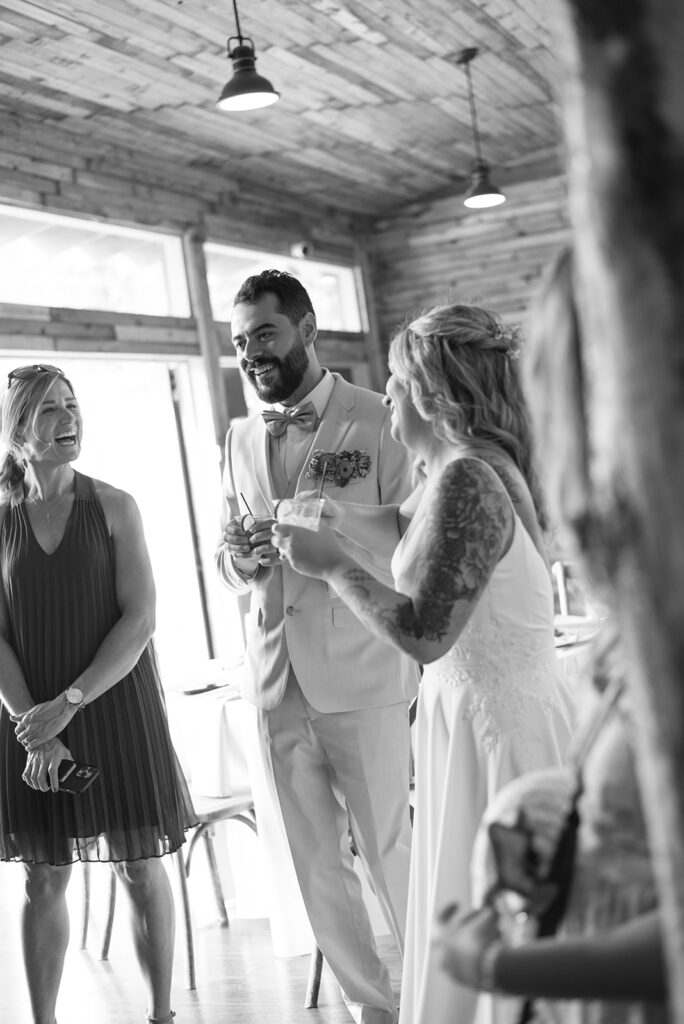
<point x="209" y="811"/>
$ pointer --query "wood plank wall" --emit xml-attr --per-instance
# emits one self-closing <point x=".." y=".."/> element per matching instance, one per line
<point x="442" y="252"/>
<point x="46" y="329"/>
<point x="45" y="171"/>
<point x="427" y="253"/>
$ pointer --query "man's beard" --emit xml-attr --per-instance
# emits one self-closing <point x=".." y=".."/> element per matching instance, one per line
<point x="289" y="374"/>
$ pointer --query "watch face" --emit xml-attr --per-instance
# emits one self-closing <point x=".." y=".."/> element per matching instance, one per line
<point x="74" y="695"/>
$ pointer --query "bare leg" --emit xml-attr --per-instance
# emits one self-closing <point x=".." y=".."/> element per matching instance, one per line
<point x="45" y="936"/>
<point x="154" y="926"/>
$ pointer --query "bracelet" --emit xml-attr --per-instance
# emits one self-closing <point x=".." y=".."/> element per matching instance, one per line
<point x="486" y="967"/>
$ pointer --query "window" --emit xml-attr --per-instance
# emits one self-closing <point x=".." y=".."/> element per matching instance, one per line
<point x="50" y="260"/>
<point x="332" y="288"/>
<point x="131" y="439"/>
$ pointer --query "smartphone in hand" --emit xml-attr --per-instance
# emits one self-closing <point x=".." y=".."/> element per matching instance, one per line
<point x="75" y="777"/>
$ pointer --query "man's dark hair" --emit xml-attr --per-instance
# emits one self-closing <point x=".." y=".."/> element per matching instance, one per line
<point x="293" y="298"/>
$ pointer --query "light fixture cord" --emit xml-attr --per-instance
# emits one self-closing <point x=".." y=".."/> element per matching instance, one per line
<point x="237" y="22"/>
<point x="473" y="115"/>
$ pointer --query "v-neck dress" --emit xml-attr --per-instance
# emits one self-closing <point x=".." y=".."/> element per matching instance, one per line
<point x="61" y="607"/>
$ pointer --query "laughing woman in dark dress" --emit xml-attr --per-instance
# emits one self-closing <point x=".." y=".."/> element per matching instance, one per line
<point x="78" y="680"/>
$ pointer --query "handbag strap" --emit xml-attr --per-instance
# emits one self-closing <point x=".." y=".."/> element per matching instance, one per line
<point x="587" y="737"/>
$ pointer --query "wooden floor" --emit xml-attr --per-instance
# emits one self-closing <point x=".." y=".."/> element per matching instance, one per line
<point x="239" y="981"/>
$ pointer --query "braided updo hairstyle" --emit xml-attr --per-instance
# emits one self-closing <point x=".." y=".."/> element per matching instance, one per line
<point x="20" y="404"/>
<point x="460" y="363"/>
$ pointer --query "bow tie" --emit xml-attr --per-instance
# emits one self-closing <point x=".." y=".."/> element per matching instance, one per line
<point x="277" y="422"/>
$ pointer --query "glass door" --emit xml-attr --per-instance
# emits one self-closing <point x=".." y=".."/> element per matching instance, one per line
<point x="131" y="440"/>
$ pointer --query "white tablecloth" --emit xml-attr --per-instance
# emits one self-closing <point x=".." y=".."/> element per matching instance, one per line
<point x="573" y="648"/>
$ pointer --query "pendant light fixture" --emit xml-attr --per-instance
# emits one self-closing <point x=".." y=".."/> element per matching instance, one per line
<point x="481" y="192"/>
<point x="246" y="90"/>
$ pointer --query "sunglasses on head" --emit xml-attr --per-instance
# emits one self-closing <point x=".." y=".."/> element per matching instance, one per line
<point x="29" y="372"/>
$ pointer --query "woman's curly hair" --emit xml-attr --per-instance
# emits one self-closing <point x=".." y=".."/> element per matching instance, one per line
<point x="460" y="363"/>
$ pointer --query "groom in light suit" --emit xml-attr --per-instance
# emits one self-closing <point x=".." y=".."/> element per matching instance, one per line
<point x="332" y="698"/>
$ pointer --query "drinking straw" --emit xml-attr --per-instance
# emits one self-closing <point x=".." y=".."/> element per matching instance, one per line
<point x="320" y="487"/>
<point x="246" y="505"/>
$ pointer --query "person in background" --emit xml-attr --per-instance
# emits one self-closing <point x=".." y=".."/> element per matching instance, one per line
<point x="472" y="601"/>
<point x="332" y="699"/>
<point x="605" y="963"/>
<point x="79" y="682"/>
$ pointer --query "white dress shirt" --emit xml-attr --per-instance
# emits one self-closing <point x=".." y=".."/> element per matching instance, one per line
<point x="293" y="445"/>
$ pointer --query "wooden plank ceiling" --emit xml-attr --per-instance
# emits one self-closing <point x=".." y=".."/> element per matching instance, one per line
<point x="373" y="112"/>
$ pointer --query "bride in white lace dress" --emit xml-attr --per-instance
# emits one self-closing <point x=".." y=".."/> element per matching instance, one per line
<point x="472" y="602"/>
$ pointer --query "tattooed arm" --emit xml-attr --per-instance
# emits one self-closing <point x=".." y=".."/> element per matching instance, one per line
<point x="469" y="528"/>
<point x="519" y="493"/>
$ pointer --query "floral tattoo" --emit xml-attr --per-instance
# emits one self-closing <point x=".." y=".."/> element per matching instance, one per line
<point x="463" y="540"/>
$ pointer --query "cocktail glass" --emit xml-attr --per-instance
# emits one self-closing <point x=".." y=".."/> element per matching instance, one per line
<point x="305" y="512"/>
<point x="252" y="525"/>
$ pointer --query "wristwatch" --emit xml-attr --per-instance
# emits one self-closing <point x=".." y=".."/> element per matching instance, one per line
<point x="75" y="697"/>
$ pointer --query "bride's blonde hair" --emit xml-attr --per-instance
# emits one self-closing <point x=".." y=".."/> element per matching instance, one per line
<point x="460" y="363"/>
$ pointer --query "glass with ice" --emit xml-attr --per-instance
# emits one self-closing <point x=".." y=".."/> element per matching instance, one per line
<point x="305" y="512"/>
<point x="258" y="529"/>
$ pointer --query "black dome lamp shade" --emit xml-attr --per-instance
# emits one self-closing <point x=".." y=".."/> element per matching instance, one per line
<point x="246" y="90"/>
<point x="481" y="192"/>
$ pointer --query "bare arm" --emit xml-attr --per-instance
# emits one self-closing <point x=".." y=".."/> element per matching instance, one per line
<point x="126" y="640"/>
<point x="519" y="494"/>
<point x="624" y="963"/>
<point x="14" y="692"/>
<point x="468" y="530"/>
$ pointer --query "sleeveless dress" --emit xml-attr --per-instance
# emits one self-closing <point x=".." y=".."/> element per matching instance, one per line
<point x="61" y="607"/>
<point x="491" y="708"/>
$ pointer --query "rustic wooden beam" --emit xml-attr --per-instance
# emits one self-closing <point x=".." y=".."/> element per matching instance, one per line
<point x="193" y="250"/>
<point x="375" y="350"/>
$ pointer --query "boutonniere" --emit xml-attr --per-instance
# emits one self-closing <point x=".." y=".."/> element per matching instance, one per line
<point x="338" y="467"/>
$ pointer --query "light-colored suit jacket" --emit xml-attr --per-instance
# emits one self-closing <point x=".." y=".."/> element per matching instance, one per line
<point x="293" y="619"/>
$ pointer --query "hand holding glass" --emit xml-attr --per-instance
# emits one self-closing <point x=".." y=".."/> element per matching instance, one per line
<point x="300" y="511"/>
<point x="258" y="532"/>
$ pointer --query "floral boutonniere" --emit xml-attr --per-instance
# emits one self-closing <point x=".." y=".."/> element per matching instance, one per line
<point x="338" y="467"/>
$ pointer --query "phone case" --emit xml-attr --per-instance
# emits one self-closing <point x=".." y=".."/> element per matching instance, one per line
<point x="75" y="777"/>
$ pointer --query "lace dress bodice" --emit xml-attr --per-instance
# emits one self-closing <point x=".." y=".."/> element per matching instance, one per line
<point x="505" y="656"/>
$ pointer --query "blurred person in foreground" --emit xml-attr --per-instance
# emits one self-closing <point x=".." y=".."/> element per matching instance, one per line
<point x="332" y="700"/>
<point x="601" y="958"/>
<point x="471" y="600"/>
<point x="79" y="681"/>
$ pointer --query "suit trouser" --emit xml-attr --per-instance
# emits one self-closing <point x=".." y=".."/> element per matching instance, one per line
<point x="332" y="770"/>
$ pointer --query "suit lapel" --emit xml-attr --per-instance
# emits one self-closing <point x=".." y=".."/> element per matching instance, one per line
<point x="335" y="423"/>
<point x="259" y="446"/>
